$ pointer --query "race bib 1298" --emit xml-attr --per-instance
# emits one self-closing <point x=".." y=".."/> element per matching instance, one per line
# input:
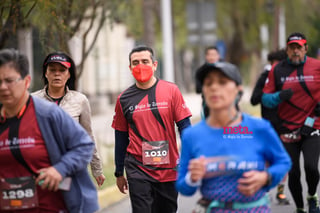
<point x="18" y="193"/>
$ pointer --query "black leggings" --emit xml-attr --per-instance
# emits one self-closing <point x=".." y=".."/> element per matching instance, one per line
<point x="151" y="197"/>
<point x="310" y="147"/>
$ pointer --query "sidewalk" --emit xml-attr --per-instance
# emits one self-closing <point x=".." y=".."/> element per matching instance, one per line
<point x="109" y="196"/>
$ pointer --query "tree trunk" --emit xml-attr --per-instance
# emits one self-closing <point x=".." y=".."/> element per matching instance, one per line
<point x="236" y="44"/>
<point x="149" y="31"/>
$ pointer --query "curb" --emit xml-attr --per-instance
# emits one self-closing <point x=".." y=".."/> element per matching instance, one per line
<point x="109" y="196"/>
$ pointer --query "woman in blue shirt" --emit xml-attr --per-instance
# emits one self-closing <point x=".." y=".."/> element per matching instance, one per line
<point x="226" y="154"/>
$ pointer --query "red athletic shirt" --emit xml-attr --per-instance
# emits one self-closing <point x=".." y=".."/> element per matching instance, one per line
<point x="304" y="81"/>
<point x="34" y="152"/>
<point x="153" y="113"/>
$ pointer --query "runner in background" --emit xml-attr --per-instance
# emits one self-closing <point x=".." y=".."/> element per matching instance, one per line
<point x="211" y="56"/>
<point x="270" y="114"/>
<point x="293" y="87"/>
<point x="59" y="78"/>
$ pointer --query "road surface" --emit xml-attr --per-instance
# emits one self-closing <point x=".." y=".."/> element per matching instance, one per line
<point x="185" y="204"/>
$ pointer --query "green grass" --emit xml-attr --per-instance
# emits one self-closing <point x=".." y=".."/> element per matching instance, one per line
<point x="110" y="180"/>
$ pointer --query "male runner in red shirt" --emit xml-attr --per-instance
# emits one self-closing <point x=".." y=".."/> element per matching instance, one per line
<point x="145" y="136"/>
<point x="293" y="86"/>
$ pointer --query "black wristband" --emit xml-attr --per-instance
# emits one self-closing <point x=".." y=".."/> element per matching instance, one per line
<point x="269" y="180"/>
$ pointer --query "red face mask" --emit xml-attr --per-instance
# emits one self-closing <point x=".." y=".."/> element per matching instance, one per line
<point x="142" y="73"/>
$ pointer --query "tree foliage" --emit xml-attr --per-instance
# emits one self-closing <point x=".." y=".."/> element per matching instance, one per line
<point x="14" y="14"/>
<point x="57" y="21"/>
<point x="238" y="22"/>
<point x="67" y="18"/>
<point x="242" y="19"/>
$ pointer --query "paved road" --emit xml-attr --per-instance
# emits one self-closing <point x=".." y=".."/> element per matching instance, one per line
<point x="187" y="203"/>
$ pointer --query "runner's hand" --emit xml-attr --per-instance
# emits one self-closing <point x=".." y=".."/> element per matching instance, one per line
<point x="122" y="184"/>
<point x="197" y="168"/>
<point x="50" y="178"/>
<point x="100" y="179"/>
<point x="252" y="181"/>
<point x="286" y="94"/>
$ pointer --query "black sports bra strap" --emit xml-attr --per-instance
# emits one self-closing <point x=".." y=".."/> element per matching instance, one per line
<point x="14" y="143"/>
<point x="302" y="81"/>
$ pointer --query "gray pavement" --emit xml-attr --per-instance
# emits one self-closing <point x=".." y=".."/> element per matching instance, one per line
<point x="185" y="204"/>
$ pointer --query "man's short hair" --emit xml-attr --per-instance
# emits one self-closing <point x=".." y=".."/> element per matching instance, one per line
<point x="211" y="48"/>
<point x="141" y="48"/>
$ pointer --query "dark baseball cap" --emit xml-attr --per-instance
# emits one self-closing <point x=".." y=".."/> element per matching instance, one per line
<point x="59" y="58"/>
<point x="229" y="70"/>
<point x="298" y="38"/>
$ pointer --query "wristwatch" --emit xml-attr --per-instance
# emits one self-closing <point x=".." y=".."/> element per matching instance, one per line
<point x="269" y="180"/>
<point x="118" y="174"/>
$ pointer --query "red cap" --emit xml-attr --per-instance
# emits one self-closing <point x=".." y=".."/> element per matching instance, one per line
<point x="296" y="39"/>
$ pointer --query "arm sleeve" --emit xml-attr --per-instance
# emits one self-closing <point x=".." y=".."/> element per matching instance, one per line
<point x="121" y="144"/>
<point x="85" y="121"/>
<point x="257" y="91"/>
<point x="184" y="123"/>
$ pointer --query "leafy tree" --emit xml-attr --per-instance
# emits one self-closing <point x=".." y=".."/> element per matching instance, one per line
<point x="14" y="14"/>
<point x="239" y="22"/>
<point x="312" y="32"/>
<point x="57" y="21"/>
<point x="66" y="18"/>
